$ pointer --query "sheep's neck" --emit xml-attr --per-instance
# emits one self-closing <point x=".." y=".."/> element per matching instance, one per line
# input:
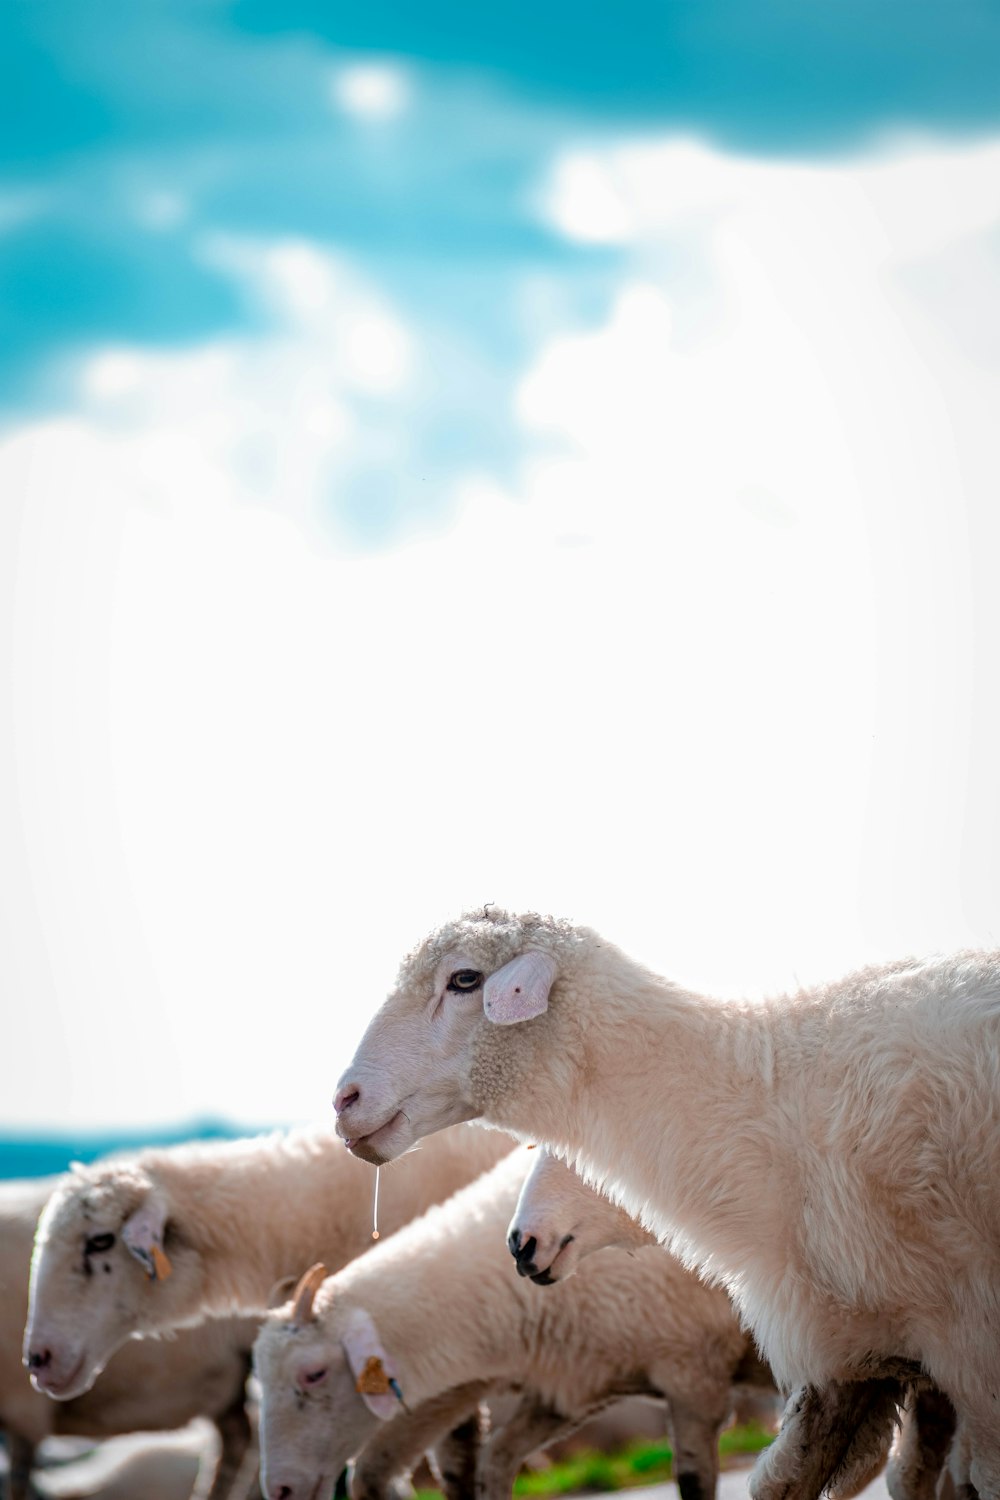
<point x="260" y="1212"/>
<point x="661" y="1096"/>
<point x="258" y="1217"/>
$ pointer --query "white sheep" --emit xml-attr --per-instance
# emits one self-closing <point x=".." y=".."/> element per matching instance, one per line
<point x="152" y="1387"/>
<point x="830" y="1157"/>
<point x="439" y="1306"/>
<point x="173" y="1235"/>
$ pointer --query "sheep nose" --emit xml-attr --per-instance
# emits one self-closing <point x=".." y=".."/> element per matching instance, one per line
<point x="39" y="1359"/>
<point x="346" y="1097"/>
<point x="523" y="1253"/>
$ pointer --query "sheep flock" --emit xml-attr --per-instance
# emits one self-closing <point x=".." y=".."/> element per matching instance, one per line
<point x="689" y="1200"/>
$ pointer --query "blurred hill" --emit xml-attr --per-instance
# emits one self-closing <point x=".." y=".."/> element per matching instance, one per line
<point x="40" y="1155"/>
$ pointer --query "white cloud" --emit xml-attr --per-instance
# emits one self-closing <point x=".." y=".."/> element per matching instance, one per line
<point x="270" y="419"/>
<point x="716" y="673"/>
<point x="374" y="92"/>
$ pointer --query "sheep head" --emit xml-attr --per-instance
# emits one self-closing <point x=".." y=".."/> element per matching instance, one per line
<point x="559" y="1221"/>
<point x="431" y="1056"/>
<point x="107" y="1266"/>
<point x="316" y="1362"/>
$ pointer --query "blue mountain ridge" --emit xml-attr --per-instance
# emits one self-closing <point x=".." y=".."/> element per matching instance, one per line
<point x="42" y="1154"/>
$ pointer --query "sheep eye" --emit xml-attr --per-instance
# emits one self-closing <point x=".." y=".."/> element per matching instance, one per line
<point x="98" y="1243"/>
<point x="464" y="980"/>
<point x="313" y="1377"/>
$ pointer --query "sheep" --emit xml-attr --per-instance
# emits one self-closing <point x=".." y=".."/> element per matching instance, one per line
<point x="146" y="1386"/>
<point x="441" y="1307"/>
<point x="558" y="1221"/>
<point x="829" y="1157"/>
<point x="170" y="1236"/>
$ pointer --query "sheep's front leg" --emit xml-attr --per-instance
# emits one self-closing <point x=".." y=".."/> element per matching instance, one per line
<point x="532" y="1425"/>
<point x="834" y="1436"/>
<point x="695" y="1441"/>
<point x="21" y="1459"/>
<point x="456" y="1458"/>
<point x="237" y="1438"/>
<point x="925" y="1437"/>
<point x="397" y="1445"/>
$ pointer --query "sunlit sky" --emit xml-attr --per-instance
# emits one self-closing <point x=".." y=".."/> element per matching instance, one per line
<point x="450" y="457"/>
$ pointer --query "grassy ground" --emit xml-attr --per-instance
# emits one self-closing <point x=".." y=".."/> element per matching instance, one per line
<point x="640" y="1463"/>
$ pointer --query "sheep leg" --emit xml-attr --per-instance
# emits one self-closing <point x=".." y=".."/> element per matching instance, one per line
<point x="21" y="1459"/>
<point x="829" y="1437"/>
<point x="532" y="1426"/>
<point x="456" y="1458"/>
<point x="695" y="1441"/>
<point x="925" y="1437"/>
<point x="976" y="1467"/>
<point x="236" y="1434"/>
<point x="397" y="1445"/>
<point x="955" y="1483"/>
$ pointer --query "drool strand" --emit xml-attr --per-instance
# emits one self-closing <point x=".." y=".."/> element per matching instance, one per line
<point x="375" y="1206"/>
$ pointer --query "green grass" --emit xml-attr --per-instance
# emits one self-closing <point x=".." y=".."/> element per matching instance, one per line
<point x="640" y="1463"/>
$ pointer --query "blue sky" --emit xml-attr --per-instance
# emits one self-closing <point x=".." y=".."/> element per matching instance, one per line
<point x="111" y="113"/>
<point x="544" y="455"/>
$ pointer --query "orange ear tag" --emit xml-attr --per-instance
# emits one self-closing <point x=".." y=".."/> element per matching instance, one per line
<point x="162" y="1267"/>
<point x="373" y="1380"/>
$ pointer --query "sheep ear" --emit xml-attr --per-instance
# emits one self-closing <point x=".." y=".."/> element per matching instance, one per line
<point x="143" y="1236"/>
<point x="520" y="990"/>
<point x="374" y="1371"/>
<point x="281" y="1291"/>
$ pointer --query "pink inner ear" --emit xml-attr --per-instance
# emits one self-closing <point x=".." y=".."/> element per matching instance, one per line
<point x="520" y="990"/>
<point x="143" y="1230"/>
<point x="360" y="1341"/>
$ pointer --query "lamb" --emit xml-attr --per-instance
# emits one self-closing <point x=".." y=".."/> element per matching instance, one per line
<point x="746" y="1137"/>
<point x="170" y="1236"/>
<point x="154" y="1387"/>
<point x="439" y="1307"/>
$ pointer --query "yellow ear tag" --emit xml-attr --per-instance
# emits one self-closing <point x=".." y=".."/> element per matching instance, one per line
<point x="373" y="1381"/>
<point x="163" y="1268"/>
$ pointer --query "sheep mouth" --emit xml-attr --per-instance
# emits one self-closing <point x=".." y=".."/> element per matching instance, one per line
<point x="372" y="1147"/>
<point x="553" y="1272"/>
<point x="60" y="1390"/>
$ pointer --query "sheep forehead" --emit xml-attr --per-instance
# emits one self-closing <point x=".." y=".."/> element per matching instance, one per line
<point x="486" y="938"/>
<point x="93" y="1197"/>
<point x="283" y="1343"/>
